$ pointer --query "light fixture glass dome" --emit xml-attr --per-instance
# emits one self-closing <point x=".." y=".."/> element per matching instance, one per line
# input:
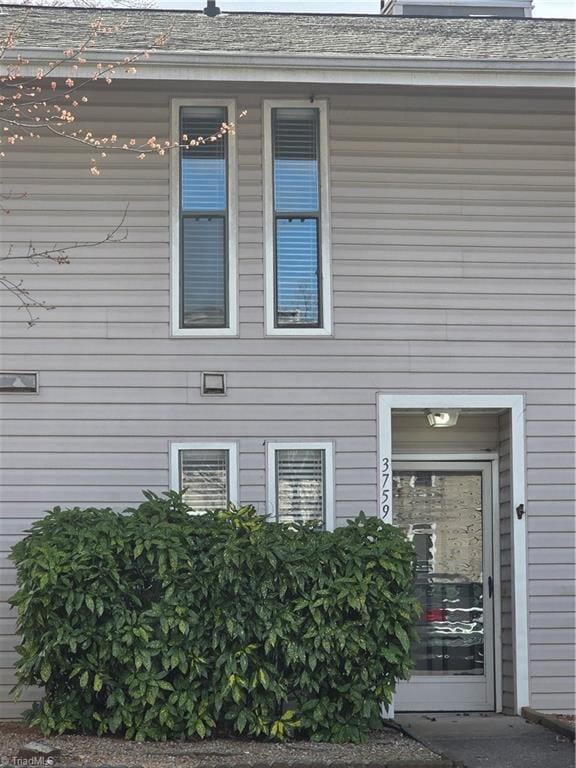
<point x="442" y="418"/>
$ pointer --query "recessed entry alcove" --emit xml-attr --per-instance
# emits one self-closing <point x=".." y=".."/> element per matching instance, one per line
<point x="450" y="488"/>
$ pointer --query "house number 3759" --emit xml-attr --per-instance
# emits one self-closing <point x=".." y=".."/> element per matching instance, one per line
<point x="385" y="487"/>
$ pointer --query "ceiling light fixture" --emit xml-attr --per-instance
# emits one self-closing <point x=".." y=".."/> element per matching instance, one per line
<point x="442" y="418"/>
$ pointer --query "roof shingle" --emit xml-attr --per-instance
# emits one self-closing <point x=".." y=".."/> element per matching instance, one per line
<point x="303" y="34"/>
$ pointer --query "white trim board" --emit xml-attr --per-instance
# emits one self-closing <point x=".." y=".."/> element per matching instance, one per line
<point x="328" y="448"/>
<point x="203" y="66"/>
<point x="232" y="220"/>
<point x="325" y="229"/>
<point x="388" y="402"/>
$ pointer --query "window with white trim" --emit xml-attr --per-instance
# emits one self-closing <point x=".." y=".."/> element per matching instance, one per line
<point x="297" y="218"/>
<point x="300" y="483"/>
<point x="206" y="472"/>
<point x="203" y="223"/>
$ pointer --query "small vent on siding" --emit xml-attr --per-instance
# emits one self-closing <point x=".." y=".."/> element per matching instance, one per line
<point x="213" y="383"/>
<point x="18" y="382"/>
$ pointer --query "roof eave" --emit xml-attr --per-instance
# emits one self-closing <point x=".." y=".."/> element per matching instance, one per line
<point x="329" y="68"/>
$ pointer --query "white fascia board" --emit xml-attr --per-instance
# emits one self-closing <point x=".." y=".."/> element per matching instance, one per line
<point x="216" y="66"/>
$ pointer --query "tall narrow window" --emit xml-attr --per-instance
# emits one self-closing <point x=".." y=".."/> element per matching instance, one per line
<point x="204" y="268"/>
<point x="300" y="482"/>
<point x="297" y="262"/>
<point x="207" y="473"/>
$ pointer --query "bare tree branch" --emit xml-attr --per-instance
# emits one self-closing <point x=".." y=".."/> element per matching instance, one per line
<point x="49" y="102"/>
<point x="59" y="254"/>
<point x="136" y="4"/>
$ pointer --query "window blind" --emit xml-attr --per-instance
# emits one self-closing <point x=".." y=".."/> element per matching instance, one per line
<point x="300" y="483"/>
<point x="295" y="143"/>
<point x="204" y="474"/>
<point x="203" y="272"/>
<point x="204" y="214"/>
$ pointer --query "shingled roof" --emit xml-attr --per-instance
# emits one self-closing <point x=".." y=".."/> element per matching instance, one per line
<point x="304" y="34"/>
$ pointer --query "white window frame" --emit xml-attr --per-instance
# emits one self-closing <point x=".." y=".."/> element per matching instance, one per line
<point x="325" y="228"/>
<point x="232" y="219"/>
<point x="232" y="449"/>
<point x="328" y="448"/>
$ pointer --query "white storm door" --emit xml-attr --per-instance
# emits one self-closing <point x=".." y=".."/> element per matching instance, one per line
<point x="445" y="507"/>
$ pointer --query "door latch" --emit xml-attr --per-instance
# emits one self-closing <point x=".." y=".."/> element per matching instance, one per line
<point x="490" y="586"/>
<point x="520" y="511"/>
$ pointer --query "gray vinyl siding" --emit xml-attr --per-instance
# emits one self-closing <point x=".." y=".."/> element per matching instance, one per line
<point x="505" y="541"/>
<point x="452" y="260"/>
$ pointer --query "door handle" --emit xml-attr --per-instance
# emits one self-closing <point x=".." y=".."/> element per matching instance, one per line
<point x="490" y="586"/>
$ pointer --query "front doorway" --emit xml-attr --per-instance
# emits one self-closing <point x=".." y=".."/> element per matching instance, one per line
<point x="489" y="430"/>
<point x="446" y="509"/>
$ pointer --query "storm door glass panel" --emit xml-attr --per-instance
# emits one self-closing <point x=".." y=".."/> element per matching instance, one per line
<point x="204" y="476"/>
<point x="300" y="485"/>
<point x="296" y="177"/>
<point x="204" y="219"/>
<point x="441" y="512"/>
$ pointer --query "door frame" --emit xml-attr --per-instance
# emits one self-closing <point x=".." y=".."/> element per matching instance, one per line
<point x="514" y="403"/>
<point x="477" y="461"/>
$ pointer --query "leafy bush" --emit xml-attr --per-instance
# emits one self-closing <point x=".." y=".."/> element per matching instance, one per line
<point x="156" y="624"/>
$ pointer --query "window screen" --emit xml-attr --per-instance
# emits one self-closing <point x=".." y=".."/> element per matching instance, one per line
<point x="204" y="474"/>
<point x="296" y="179"/>
<point x="203" y="220"/>
<point x="300" y="485"/>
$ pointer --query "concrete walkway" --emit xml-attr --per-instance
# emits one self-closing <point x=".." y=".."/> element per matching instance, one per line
<point x="489" y="740"/>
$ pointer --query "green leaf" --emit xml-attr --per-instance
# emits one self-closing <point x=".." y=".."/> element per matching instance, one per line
<point x="45" y="671"/>
<point x="402" y="637"/>
<point x="241" y="721"/>
<point x="264" y="679"/>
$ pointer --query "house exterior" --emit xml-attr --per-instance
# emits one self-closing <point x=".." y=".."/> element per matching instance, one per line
<point x="359" y="299"/>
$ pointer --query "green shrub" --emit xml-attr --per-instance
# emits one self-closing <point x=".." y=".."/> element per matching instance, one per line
<point x="156" y="624"/>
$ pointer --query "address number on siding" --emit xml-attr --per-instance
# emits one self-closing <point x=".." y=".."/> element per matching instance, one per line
<point x="385" y="487"/>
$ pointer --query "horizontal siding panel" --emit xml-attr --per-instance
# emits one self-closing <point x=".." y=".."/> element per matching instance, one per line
<point x="557" y="460"/>
<point x="191" y="411"/>
<point x="541" y="555"/>
<point x="148" y="375"/>
<point x="151" y="445"/>
<point x="453" y="318"/>
<point x="551" y="586"/>
<point x="28" y="695"/>
<point x="552" y="669"/>
<point x="551" y="540"/>
<point x="548" y="524"/>
<point x="552" y="636"/>
<point x="271" y="347"/>
<point x="553" y="685"/>
<point x="553" y="702"/>
<point x="552" y="652"/>
<point x="178" y="429"/>
<point x="13" y="710"/>
<point x="85" y="477"/>
<point x="93" y="394"/>
<point x="562" y="621"/>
